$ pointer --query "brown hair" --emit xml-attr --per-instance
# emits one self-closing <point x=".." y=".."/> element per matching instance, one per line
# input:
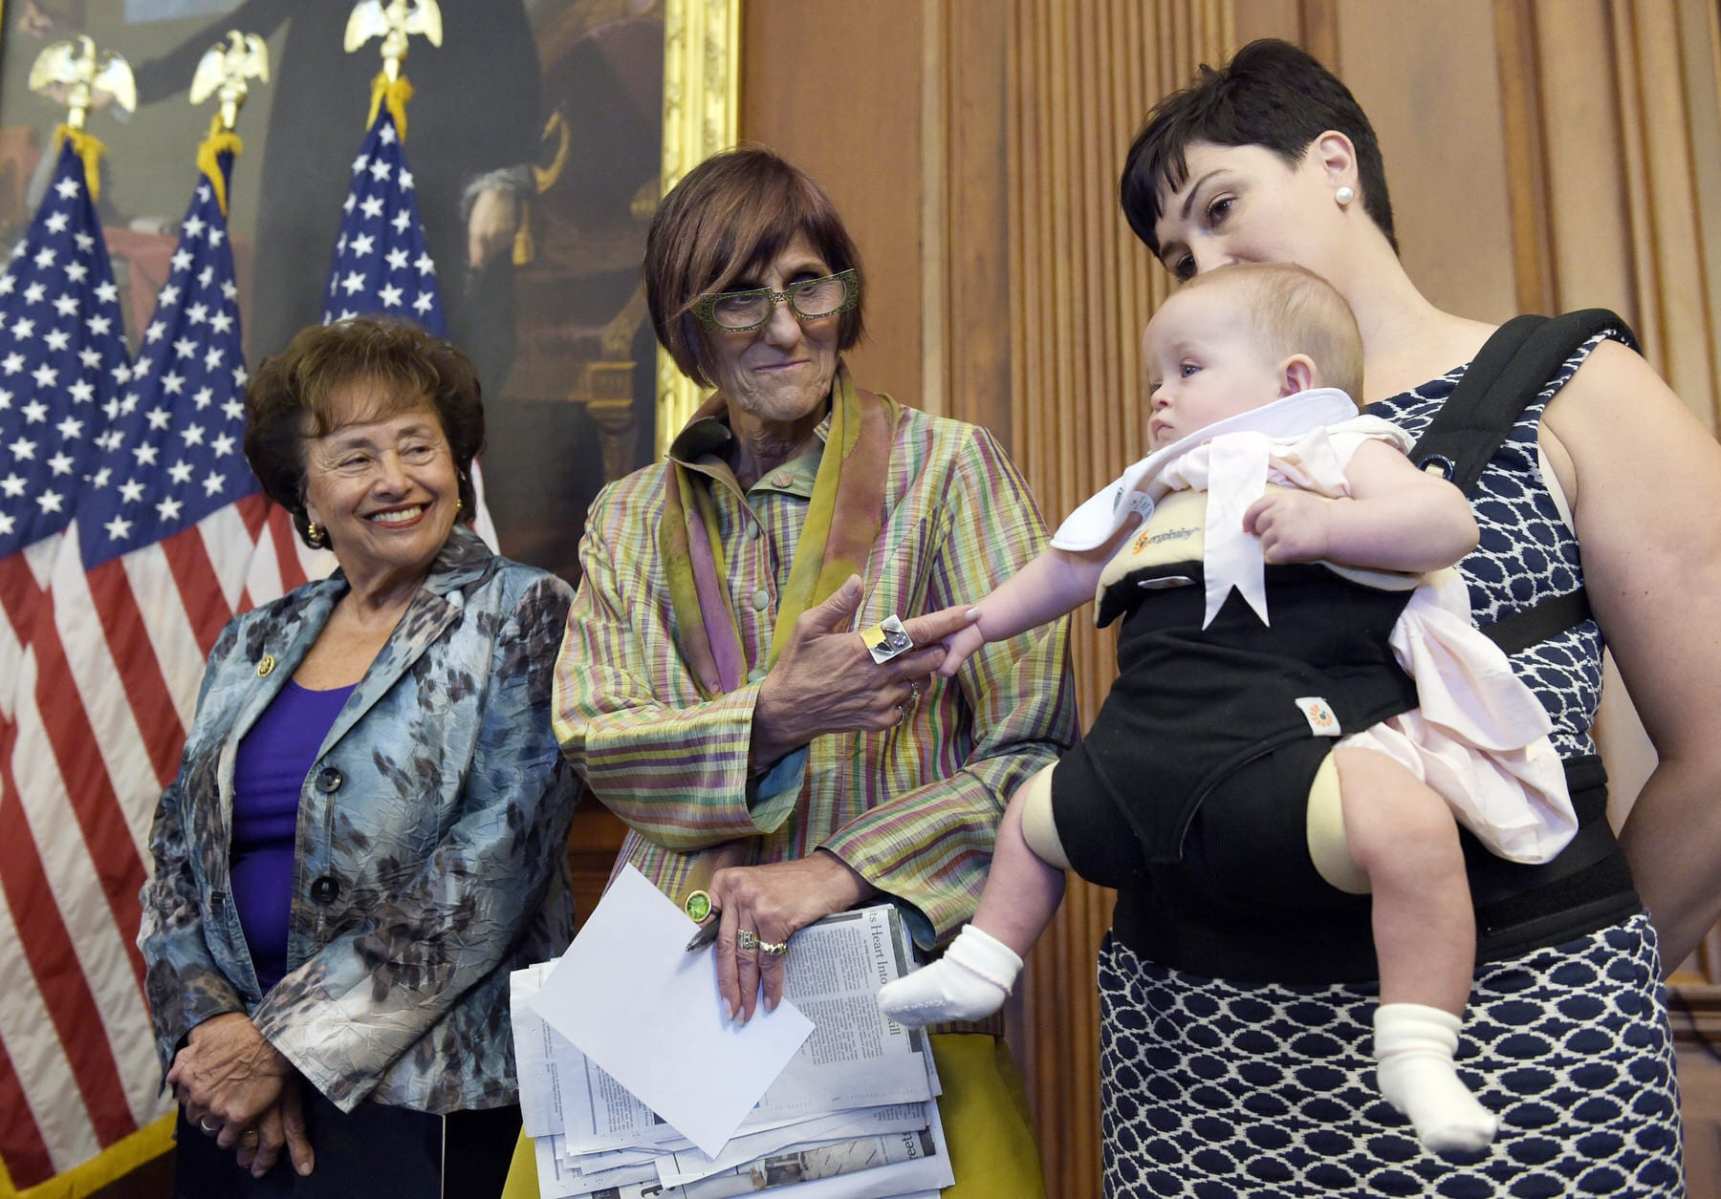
<point x="1295" y="311"/>
<point x="301" y="392"/>
<point x="733" y="212"/>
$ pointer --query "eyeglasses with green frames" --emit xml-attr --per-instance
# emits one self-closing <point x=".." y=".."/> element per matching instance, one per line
<point x="808" y="299"/>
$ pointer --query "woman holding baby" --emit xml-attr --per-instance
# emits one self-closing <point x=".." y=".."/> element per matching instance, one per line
<point x="1240" y="1044"/>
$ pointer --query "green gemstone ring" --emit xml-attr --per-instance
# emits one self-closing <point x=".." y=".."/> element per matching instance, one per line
<point x="697" y="906"/>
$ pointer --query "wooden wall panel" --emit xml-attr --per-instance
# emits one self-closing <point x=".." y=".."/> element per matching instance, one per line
<point x="1586" y="206"/>
<point x="1700" y="43"/>
<point x="973" y="234"/>
<point x="1677" y="324"/>
<point x="1427" y="77"/>
<point x="1081" y="78"/>
<point x="836" y="88"/>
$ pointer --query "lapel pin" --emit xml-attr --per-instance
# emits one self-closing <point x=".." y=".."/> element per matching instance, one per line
<point x="265" y="666"/>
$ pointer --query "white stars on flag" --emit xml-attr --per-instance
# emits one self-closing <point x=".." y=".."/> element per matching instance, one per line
<point x="380" y="265"/>
<point x="59" y="334"/>
<point x="184" y="408"/>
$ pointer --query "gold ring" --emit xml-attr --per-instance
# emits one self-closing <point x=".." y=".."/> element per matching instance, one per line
<point x="775" y="949"/>
<point x="747" y="940"/>
<point x="249" y="1136"/>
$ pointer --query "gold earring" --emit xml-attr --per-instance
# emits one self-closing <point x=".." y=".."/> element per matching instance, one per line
<point x="458" y="505"/>
<point x="313" y="534"/>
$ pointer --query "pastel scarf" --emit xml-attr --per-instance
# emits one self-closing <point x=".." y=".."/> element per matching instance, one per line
<point x="843" y="521"/>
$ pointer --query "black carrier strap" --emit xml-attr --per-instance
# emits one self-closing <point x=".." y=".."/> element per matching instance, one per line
<point x="1507" y="375"/>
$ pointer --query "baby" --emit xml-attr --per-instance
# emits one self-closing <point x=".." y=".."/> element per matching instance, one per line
<point x="1364" y="695"/>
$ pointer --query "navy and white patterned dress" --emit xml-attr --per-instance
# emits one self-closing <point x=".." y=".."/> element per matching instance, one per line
<point x="1214" y="1089"/>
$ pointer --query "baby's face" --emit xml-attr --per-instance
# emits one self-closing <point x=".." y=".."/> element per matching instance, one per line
<point x="1203" y="364"/>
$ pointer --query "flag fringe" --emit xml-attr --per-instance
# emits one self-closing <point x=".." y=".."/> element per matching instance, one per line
<point x="104" y="1169"/>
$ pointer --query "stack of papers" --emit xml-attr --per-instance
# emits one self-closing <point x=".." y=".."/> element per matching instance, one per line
<point x="635" y="1085"/>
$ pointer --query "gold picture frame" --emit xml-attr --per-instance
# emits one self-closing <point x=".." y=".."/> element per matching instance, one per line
<point x="701" y="115"/>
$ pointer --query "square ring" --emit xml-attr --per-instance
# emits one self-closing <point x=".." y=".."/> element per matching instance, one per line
<point x="887" y="639"/>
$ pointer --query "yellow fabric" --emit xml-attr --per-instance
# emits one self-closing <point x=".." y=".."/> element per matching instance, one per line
<point x="90" y="149"/>
<point x="522" y="1172"/>
<point x="813" y="578"/>
<point x="1325" y="821"/>
<point x="986" y="1121"/>
<point x="1039" y="822"/>
<point x="107" y="1167"/>
<point x="220" y="141"/>
<point x="395" y="94"/>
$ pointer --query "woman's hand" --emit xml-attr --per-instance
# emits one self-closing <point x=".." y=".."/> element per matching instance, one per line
<point x="1294" y="526"/>
<point x="281" y="1126"/>
<point x="227" y="1076"/>
<point x="825" y="681"/>
<point x="774" y="903"/>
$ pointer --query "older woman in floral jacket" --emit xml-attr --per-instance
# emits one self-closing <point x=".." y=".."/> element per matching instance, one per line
<point x="366" y="832"/>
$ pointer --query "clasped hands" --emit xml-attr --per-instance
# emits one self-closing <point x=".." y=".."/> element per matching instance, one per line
<point x="238" y="1088"/>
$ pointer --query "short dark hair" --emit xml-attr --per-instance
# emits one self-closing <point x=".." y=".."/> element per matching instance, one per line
<point x="733" y="212"/>
<point x="293" y="396"/>
<point x="1271" y="94"/>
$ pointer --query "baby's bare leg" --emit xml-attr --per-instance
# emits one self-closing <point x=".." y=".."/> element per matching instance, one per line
<point x="1023" y="890"/>
<point x="1402" y="835"/>
<point x="1021" y="895"/>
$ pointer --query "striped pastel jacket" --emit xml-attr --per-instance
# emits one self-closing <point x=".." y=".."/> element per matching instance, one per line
<point x="915" y="809"/>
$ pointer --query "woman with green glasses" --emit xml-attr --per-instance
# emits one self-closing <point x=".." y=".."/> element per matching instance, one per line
<point x="720" y="686"/>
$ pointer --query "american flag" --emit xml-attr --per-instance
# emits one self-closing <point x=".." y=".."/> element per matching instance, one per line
<point x="381" y="264"/>
<point x="169" y="538"/>
<point x="72" y="1079"/>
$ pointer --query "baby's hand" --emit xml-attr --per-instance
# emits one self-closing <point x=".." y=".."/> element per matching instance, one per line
<point x="957" y="648"/>
<point x="1294" y="526"/>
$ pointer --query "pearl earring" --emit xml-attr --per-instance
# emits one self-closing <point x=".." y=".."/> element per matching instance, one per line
<point x="1344" y="195"/>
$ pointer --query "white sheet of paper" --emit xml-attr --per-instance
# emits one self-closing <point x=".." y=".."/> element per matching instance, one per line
<point x="631" y="998"/>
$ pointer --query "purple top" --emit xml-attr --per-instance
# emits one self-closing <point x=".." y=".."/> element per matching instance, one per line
<point x="273" y="760"/>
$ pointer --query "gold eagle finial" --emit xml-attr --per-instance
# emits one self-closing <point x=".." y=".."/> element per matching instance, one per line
<point x="224" y="69"/>
<point x="395" y="21"/>
<point x="75" y="73"/>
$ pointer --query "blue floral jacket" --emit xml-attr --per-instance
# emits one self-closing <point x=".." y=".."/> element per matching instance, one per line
<point x="429" y="859"/>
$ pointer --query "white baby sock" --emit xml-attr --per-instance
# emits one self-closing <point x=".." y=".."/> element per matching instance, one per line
<point x="1413" y="1046"/>
<point x="971" y="980"/>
